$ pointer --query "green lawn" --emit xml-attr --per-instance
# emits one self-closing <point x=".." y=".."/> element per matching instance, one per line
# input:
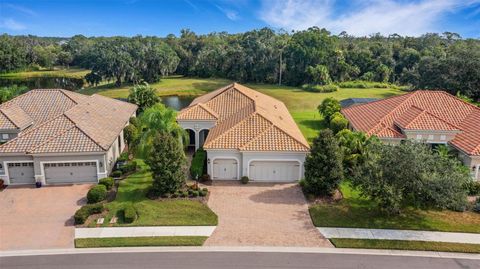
<point x="72" y="72"/>
<point x="405" y="245"/>
<point x="357" y="212"/>
<point x="140" y="241"/>
<point x="301" y="104"/>
<point x="133" y="190"/>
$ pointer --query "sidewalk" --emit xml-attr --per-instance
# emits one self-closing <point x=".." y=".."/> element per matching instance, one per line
<point x="144" y="231"/>
<point x="408" y="235"/>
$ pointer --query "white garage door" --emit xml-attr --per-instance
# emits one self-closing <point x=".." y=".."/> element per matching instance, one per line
<point x="225" y="169"/>
<point x="77" y="172"/>
<point x="274" y="171"/>
<point x="21" y="173"/>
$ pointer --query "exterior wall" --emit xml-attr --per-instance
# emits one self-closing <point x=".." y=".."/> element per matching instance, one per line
<point x="432" y="137"/>
<point x="472" y="162"/>
<point x="244" y="159"/>
<point x="272" y="156"/>
<point x="196" y="126"/>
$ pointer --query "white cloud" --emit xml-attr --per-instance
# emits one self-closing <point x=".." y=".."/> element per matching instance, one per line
<point x="21" y="9"/>
<point x="361" y="17"/>
<point x="229" y="13"/>
<point x="11" y="24"/>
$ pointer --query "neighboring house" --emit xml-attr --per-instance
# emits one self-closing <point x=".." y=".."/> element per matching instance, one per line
<point x="434" y="117"/>
<point x="245" y="133"/>
<point x="58" y="136"/>
<point x="355" y="101"/>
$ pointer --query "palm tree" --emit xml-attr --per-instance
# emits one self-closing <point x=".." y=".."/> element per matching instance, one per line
<point x="158" y="118"/>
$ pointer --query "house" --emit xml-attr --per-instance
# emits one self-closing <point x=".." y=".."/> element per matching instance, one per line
<point x="58" y="136"/>
<point x="434" y="117"/>
<point x="355" y="101"/>
<point x="245" y="133"/>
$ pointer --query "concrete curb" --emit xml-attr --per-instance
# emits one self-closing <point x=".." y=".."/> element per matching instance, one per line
<point x="144" y="231"/>
<point x="375" y="252"/>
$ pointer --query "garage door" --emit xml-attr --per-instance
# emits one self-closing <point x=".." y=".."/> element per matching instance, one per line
<point x="274" y="171"/>
<point x="77" y="172"/>
<point x="225" y="169"/>
<point x="21" y="173"/>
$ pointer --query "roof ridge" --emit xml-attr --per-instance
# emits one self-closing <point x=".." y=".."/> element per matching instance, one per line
<point x="231" y="127"/>
<point x="206" y="108"/>
<point x="445" y="121"/>
<point x="281" y="129"/>
<point x="80" y="129"/>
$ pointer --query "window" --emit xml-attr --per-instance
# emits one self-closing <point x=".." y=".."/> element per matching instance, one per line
<point x="443" y="137"/>
<point x="430" y="137"/>
<point x="419" y="137"/>
<point x="5" y="136"/>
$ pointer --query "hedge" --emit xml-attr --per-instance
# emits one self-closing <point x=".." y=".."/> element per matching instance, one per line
<point x="107" y="182"/>
<point x="129" y="213"/>
<point x="320" y="88"/>
<point x="198" y="163"/>
<point x="85" y="211"/>
<point x="96" y="194"/>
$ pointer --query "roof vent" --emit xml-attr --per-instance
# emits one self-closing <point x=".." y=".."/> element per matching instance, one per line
<point x="275" y="106"/>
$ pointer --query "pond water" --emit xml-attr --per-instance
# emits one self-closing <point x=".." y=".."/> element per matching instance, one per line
<point x="44" y="82"/>
<point x="177" y="102"/>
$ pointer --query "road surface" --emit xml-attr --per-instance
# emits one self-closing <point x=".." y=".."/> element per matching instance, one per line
<point x="225" y="260"/>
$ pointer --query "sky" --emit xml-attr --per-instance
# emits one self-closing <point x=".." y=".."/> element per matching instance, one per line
<point x="66" y="18"/>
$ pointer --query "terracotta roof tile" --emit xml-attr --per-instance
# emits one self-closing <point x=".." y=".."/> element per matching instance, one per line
<point x="243" y="116"/>
<point x="19" y="118"/>
<point x="420" y="110"/>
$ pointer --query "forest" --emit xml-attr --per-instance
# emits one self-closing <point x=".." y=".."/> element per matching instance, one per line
<point x="313" y="56"/>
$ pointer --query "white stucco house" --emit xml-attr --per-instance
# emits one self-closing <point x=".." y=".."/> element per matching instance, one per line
<point x="57" y="136"/>
<point x="433" y="117"/>
<point x="245" y="133"/>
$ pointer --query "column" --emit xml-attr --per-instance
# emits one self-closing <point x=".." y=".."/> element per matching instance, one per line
<point x="477" y="172"/>
<point x="197" y="139"/>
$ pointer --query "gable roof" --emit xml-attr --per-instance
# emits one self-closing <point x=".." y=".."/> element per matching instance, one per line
<point x="71" y="122"/>
<point x="245" y="120"/>
<point x="420" y="110"/>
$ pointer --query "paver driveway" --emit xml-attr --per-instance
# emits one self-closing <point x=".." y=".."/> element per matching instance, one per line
<point x="260" y="214"/>
<point x="33" y="218"/>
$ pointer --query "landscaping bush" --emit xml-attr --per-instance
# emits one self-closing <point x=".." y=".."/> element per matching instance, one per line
<point x="107" y="182"/>
<point x="473" y="188"/>
<point x="184" y="194"/>
<point x="195" y="193"/>
<point x="129" y="213"/>
<point x="117" y="174"/>
<point x="205" y="177"/>
<point x="320" y="88"/>
<point x="323" y="166"/>
<point x="198" y="163"/>
<point x="202" y="193"/>
<point x="96" y="194"/>
<point x="130" y="133"/>
<point x="1" y="183"/>
<point x="244" y="180"/>
<point x="338" y="122"/>
<point x="328" y="107"/>
<point x="129" y="167"/>
<point x="85" y="211"/>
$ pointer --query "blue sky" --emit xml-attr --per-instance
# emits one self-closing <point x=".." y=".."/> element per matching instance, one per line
<point x="161" y="17"/>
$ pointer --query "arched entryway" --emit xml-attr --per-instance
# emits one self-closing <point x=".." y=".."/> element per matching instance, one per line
<point x="191" y="138"/>
<point x="202" y="137"/>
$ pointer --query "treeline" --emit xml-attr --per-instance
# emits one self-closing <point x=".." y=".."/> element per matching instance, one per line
<point x="312" y="56"/>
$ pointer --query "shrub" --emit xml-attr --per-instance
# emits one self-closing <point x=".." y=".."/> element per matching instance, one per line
<point x="205" y="177"/>
<point x="116" y="174"/>
<point x="323" y="166"/>
<point x="244" y="180"/>
<point x="96" y="194"/>
<point x="473" y="188"/>
<point x="129" y="167"/>
<point x="129" y="213"/>
<point x="85" y="211"/>
<point x="366" y="84"/>
<point x="184" y="194"/>
<point x="130" y="133"/>
<point x="195" y="193"/>
<point x="320" y="88"/>
<point x="123" y="157"/>
<point x="338" y="123"/>
<point x="198" y="163"/>
<point x="175" y="194"/>
<point x="476" y="208"/>
<point x="107" y="182"/>
<point x="143" y="96"/>
<point x="167" y="161"/>
<point x="205" y="189"/>
<point x="328" y="107"/>
<point x="202" y="193"/>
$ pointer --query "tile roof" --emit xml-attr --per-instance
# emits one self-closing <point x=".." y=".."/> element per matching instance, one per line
<point x="246" y="120"/>
<point x="71" y="122"/>
<point x="420" y="110"/>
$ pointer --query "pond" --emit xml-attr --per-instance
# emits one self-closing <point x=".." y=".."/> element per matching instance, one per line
<point x="174" y="102"/>
<point x="44" y="82"/>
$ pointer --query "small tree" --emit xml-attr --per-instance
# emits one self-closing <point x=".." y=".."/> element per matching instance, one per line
<point x="131" y="134"/>
<point x="93" y="78"/>
<point x="323" y="166"/>
<point x="319" y="74"/>
<point x="143" y="96"/>
<point x="167" y="162"/>
<point x="338" y="122"/>
<point x="328" y="107"/>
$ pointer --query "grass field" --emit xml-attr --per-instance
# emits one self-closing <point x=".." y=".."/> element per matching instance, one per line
<point x="133" y="190"/>
<point x="357" y="212"/>
<point x="140" y="241"/>
<point x="72" y="72"/>
<point x="301" y="104"/>
<point x="405" y="245"/>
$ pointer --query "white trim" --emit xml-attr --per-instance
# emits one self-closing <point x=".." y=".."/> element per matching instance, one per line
<point x="275" y="160"/>
<point x="228" y="158"/>
<point x="7" y="176"/>
<point x="42" y="168"/>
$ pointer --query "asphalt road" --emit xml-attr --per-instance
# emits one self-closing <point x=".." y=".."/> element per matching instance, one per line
<point x="225" y="260"/>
